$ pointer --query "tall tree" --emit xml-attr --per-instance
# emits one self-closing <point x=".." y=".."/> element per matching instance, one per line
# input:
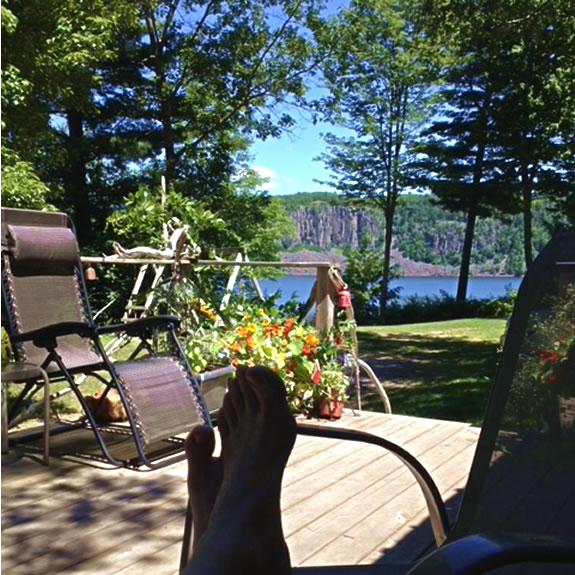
<point x="523" y="52"/>
<point x="56" y="47"/>
<point x="457" y="155"/>
<point x="170" y="87"/>
<point x="378" y="80"/>
<point x="536" y="118"/>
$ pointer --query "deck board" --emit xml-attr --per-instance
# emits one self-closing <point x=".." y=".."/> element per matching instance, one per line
<point x="342" y="502"/>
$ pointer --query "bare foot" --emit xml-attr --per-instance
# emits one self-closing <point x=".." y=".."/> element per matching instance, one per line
<point x="204" y="477"/>
<point x="258" y="433"/>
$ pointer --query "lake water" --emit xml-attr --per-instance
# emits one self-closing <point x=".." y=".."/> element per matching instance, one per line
<point x="478" y="287"/>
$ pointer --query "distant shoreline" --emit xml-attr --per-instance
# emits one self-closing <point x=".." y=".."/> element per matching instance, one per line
<point x="408" y="267"/>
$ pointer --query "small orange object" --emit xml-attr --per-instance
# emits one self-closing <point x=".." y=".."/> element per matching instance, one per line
<point x="90" y="274"/>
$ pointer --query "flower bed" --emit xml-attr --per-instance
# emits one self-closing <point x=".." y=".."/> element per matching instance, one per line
<point x="308" y="363"/>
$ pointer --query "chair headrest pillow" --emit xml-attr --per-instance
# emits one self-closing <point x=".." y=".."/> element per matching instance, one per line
<point x="36" y="245"/>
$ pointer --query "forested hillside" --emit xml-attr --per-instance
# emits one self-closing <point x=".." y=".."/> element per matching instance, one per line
<point x="424" y="232"/>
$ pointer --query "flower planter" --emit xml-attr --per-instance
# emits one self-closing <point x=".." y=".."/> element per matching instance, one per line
<point x="214" y="384"/>
<point x="329" y="408"/>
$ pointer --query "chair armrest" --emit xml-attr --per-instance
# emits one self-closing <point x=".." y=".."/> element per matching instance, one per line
<point x="436" y="507"/>
<point x="137" y="326"/>
<point x="43" y="336"/>
<point x="482" y="552"/>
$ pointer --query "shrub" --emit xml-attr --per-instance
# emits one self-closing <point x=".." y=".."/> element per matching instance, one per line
<point x="416" y="309"/>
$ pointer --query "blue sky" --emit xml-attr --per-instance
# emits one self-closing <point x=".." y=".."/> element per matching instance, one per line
<point x="288" y="161"/>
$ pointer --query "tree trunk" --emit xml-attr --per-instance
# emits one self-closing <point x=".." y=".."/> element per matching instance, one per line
<point x="472" y="212"/>
<point x="527" y="218"/>
<point x="168" y="134"/>
<point x="163" y="91"/>
<point x="386" y="263"/>
<point x="466" y="253"/>
<point x="76" y="188"/>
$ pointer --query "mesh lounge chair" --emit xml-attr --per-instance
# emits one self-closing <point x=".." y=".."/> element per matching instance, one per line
<point x="519" y="503"/>
<point x="46" y="313"/>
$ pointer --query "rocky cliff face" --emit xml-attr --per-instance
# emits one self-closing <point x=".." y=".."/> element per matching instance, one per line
<point x="333" y="226"/>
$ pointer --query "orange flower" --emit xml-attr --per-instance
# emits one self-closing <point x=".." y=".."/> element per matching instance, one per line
<point x="235" y="347"/>
<point x="312" y="340"/>
<point x="250" y="343"/>
<point x="273" y="329"/>
<point x="242" y="331"/>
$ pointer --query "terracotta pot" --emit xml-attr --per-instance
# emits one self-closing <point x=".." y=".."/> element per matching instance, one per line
<point x="331" y="408"/>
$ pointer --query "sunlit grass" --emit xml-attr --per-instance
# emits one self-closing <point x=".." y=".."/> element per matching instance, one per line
<point x="440" y="370"/>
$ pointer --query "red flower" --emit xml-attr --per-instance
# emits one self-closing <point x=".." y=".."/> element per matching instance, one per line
<point x="306" y="350"/>
<point x="288" y="325"/>
<point x="551" y="378"/>
<point x="316" y="374"/>
<point x="552" y="357"/>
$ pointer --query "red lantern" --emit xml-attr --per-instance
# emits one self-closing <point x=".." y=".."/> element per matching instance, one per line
<point x="344" y="298"/>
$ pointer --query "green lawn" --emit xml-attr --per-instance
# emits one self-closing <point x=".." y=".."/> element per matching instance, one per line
<point x="441" y="370"/>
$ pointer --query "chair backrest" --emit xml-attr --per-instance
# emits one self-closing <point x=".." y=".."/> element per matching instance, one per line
<point x="522" y="478"/>
<point x="42" y="282"/>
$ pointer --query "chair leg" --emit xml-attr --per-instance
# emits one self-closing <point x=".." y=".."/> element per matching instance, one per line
<point x="46" y="417"/>
<point x="4" y="423"/>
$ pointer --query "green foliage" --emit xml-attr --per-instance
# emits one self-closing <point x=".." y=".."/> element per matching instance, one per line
<point x="21" y="186"/>
<point x="315" y="200"/>
<point x="106" y="97"/>
<point x="6" y="347"/>
<point x="547" y="365"/>
<point x="363" y="275"/>
<point x="445" y="307"/>
<point x="378" y="72"/>
<point x="141" y="221"/>
<point x="505" y="134"/>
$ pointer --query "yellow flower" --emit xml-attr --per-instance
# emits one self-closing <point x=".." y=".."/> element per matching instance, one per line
<point x="261" y="312"/>
<point x="251" y="328"/>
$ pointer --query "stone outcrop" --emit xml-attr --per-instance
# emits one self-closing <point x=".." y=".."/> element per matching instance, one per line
<point x="333" y="226"/>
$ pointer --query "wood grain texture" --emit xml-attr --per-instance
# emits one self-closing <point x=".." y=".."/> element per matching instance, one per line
<point x="342" y="502"/>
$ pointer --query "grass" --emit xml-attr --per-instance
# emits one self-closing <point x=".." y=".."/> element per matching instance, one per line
<point x="440" y="370"/>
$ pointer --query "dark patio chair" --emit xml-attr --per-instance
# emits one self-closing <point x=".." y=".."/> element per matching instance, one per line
<point x="46" y="313"/>
<point x="518" y="506"/>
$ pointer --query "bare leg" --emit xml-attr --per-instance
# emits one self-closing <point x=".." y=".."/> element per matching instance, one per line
<point x="244" y="533"/>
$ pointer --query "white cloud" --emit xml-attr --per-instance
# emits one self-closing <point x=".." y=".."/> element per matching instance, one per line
<point x="269" y="176"/>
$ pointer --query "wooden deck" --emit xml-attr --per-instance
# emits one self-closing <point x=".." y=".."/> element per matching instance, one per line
<point x="342" y="503"/>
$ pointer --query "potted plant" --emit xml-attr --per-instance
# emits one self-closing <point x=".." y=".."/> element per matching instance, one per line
<point x="292" y="348"/>
<point x="210" y="364"/>
<point x="330" y="391"/>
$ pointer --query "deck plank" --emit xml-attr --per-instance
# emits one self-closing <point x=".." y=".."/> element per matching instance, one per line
<point x="76" y="519"/>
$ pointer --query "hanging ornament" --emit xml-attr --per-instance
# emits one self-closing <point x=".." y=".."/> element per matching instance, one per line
<point x="90" y="274"/>
<point x="344" y="298"/>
